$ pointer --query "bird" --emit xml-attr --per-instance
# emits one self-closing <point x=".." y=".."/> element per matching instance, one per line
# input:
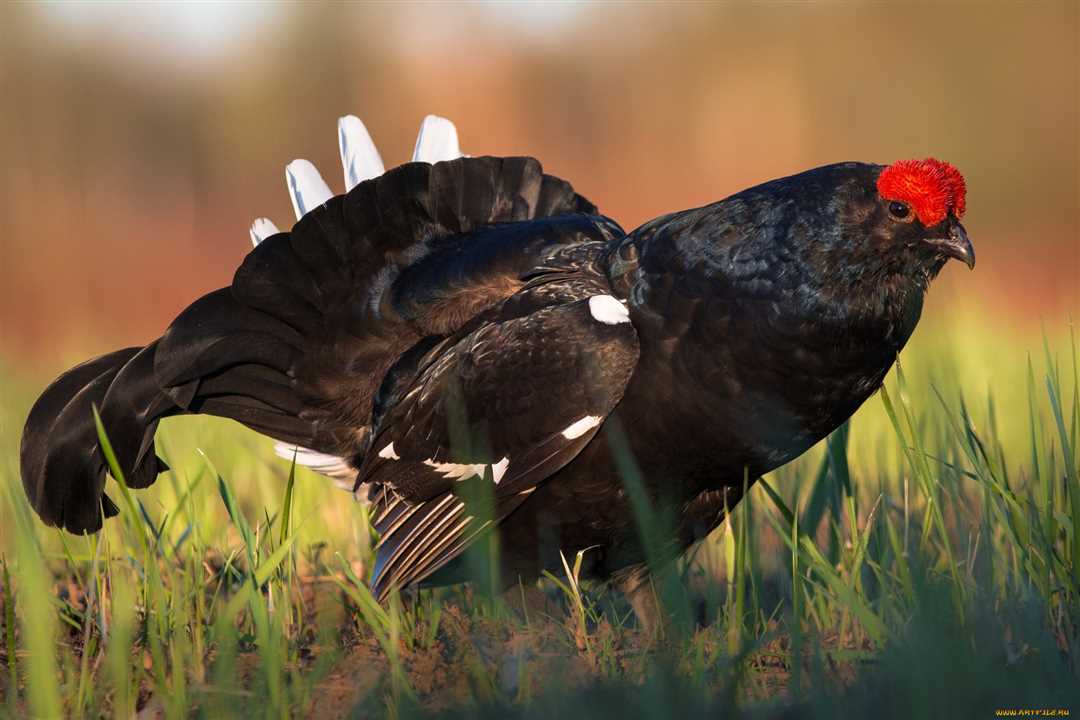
<point x="469" y="347"/>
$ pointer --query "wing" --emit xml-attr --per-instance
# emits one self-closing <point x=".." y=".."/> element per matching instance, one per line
<point x="297" y="346"/>
<point x="507" y="404"/>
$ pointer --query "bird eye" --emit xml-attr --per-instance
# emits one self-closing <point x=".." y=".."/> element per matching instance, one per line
<point x="899" y="210"/>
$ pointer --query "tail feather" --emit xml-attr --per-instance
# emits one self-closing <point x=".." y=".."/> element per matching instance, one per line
<point x="61" y="467"/>
<point x="130" y="410"/>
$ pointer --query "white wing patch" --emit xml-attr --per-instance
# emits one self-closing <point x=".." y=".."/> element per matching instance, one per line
<point x="608" y="310"/>
<point x="582" y="426"/>
<point x="334" y="467"/>
<point x="464" y="471"/>
<point x="389" y="453"/>
<point x="499" y="469"/>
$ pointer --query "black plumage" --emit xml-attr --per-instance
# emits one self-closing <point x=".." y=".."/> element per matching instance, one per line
<point x="476" y="321"/>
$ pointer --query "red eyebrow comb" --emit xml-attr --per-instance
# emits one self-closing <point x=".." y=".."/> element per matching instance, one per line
<point x="931" y="187"/>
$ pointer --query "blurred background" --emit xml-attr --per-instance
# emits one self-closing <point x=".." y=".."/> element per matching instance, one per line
<point x="139" y="141"/>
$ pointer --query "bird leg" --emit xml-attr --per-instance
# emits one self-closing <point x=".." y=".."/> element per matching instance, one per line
<point x="528" y="599"/>
<point x="637" y="586"/>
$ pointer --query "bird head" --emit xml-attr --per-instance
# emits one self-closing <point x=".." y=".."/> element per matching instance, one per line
<point x="920" y="206"/>
<point x="864" y="231"/>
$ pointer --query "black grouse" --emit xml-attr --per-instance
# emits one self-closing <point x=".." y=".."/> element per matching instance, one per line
<point x="476" y="323"/>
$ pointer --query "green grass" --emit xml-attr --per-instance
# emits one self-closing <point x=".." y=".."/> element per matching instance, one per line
<point x="924" y="562"/>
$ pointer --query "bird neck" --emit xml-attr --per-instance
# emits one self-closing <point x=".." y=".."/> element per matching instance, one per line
<point x="684" y="271"/>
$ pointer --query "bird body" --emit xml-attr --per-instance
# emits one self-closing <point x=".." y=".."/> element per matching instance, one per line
<point x="746" y="360"/>
<point x="475" y="323"/>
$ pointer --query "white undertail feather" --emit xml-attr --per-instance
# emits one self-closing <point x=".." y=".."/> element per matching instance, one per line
<point x="437" y="141"/>
<point x="334" y="467"/>
<point x="360" y="161"/>
<point x="261" y="229"/>
<point x="307" y="189"/>
<point x="359" y="157"/>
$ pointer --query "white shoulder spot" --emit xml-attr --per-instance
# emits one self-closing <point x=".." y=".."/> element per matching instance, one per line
<point x="608" y="310"/>
<point x="389" y="453"/>
<point x="581" y="427"/>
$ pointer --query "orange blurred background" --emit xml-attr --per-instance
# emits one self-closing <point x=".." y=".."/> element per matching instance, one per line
<point x="139" y="141"/>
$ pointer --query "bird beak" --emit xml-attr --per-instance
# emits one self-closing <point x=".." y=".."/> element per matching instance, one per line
<point x="956" y="245"/>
